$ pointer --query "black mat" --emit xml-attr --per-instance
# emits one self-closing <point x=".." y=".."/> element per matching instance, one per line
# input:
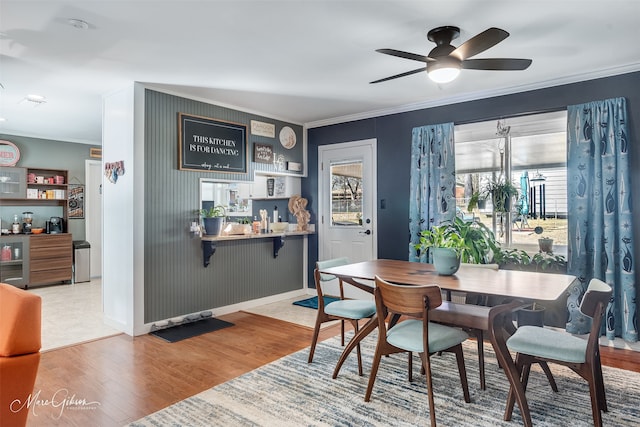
<point x="192" y="329"/>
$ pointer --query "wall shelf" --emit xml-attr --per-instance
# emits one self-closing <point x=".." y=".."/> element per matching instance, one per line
<point x="210" y="243"/>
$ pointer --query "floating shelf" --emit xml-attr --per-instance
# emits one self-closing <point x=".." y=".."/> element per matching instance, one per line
<point x="210" y="243"/>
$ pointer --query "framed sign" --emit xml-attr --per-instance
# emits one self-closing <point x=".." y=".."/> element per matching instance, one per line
<point x="9" y="153"/>
<point x="76" y="201"/>
<point x="262" y="153"/>
<point x="211" y="145"/>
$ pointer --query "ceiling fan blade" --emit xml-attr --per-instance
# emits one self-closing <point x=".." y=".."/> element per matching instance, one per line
<point x="408" y="73"/>
<point x="496" y="64"/>
<point x="480" y="43"/>
<point x="406" y="55"/>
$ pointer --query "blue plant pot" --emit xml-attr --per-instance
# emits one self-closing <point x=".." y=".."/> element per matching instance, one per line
<point x="446" y="261"/>
<point x="212" y="226"/>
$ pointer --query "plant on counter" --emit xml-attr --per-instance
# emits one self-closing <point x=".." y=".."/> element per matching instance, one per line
<point x="213" y="219"/>
<point x="213" y="212"/>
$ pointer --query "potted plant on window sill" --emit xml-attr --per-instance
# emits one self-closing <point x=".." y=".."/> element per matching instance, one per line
<point x="213" y="219"/>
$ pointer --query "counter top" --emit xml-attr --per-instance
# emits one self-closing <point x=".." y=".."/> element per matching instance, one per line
<point x="255" y="236"/>
<point x="32" y="234"/>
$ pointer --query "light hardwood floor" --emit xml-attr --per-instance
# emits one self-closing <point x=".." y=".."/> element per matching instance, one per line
<point x="133" y="377"/>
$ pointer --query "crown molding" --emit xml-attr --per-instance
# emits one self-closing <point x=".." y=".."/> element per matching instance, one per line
<point x="473" y="96"/>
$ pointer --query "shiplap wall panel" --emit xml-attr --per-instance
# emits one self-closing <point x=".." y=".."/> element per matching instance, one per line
<point x="176" y="282"/>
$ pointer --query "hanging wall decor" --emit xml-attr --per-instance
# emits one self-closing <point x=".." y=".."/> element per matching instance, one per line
<point x="114" y="170"/>
<point x="211" y="145"/>
<point x="76" y="201"/>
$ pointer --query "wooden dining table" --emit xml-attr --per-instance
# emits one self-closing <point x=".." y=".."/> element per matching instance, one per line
<point x="513" y="285"/>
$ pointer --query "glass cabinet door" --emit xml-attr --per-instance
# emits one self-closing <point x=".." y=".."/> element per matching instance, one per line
<point x="13" y="183"/>
<point x="14" y="255"/>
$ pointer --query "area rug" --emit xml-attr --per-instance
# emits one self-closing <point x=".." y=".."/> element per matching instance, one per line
<point x="191" y="329"/>
<point x="313" y="302"/>
<point x="291" y="392"/>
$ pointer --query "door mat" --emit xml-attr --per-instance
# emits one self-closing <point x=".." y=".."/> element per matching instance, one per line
<point x="192" y="329"/>
<point x="313" y="302"/>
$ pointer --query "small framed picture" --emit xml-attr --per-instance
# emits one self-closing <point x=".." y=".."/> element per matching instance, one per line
<point x="262" y="153"/>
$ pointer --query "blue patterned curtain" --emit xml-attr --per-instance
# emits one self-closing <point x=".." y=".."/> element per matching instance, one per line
<point x="433" y="181"/>
<point x="600" y="221"/>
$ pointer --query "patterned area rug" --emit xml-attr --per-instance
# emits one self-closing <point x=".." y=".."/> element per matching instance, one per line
<point x="290" y="392"/>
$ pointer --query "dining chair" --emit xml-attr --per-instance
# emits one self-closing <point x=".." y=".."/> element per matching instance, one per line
<point x="474" y="319"/>
<point x="415" y="333"/>
<point x="351" y="310"/>
<point x="533" y="344"/>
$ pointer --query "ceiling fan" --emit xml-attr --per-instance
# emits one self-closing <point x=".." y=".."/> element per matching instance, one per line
<point x="444" y="62"/>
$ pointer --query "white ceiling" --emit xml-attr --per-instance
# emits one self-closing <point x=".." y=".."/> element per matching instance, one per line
<point x="305" y="61"/>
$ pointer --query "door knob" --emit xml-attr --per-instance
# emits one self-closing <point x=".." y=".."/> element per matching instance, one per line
<point x="366" y="232"/>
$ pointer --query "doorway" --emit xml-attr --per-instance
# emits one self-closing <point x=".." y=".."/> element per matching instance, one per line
<point x="347" y="194"/>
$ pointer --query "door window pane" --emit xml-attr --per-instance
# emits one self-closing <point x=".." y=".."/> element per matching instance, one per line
<point x="346" y="194"/>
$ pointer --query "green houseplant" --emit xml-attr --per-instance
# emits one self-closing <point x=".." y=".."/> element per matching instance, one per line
<point x="445" y="245"/>
<point x="469" y="241"/>
<point x="213" y="218"/>
<point x="478" y="200"/>
<point x="501" y="191"/>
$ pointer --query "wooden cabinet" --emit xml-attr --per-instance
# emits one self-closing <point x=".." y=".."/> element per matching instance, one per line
<point x="48" y="187"/>
<point x="50" y="258"/>
<point x="46" y="258"/>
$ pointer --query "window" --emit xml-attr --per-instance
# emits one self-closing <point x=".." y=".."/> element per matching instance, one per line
<point x="346" y="194"/>
<point x="531" y="151"/>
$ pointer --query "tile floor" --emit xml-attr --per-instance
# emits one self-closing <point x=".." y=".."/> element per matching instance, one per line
<point x="285" y="310"/>
<point x="72" y="314"/>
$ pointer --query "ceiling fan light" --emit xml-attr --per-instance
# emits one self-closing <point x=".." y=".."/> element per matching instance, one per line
<point x="444" y="74"/>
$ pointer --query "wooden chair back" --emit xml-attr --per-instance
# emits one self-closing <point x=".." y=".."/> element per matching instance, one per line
<point x="411" y="301"/>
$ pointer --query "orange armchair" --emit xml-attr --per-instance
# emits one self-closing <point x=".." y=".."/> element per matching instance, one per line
<point x="20" y="327"/>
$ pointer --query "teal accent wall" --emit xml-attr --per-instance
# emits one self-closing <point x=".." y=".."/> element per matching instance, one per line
<point x="176" y="283"/>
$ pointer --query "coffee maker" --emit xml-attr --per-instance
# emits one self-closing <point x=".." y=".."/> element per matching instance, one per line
<point x="55" y="225"/>
<point x="27" y="218"/>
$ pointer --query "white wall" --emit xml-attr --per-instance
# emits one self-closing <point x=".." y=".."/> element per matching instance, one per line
<point x="123" y="257"/>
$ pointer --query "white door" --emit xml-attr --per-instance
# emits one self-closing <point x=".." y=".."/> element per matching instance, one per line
<point x="347" y="195"/>
<point x="93" y="214"/>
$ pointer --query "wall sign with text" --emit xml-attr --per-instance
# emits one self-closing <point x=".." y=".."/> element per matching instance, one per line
<point x="207" y="144"/>
<point x="262" y="153"/>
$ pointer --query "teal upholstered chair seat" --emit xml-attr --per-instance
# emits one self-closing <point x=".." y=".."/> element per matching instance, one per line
<point x="407" y="335"/>
<point x="351" y="309"/>
<point x="533" y="344"/>
<point x="415" y="334"/>
<point x="549" y="344"/>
